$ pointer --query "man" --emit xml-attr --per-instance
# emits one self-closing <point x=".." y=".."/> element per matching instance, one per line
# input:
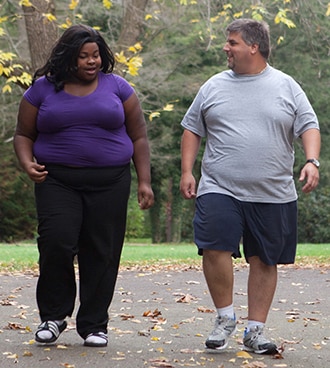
<point x="250" y="116"/>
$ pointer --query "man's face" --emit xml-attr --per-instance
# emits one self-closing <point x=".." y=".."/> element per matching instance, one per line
<point x="239" y="54"/>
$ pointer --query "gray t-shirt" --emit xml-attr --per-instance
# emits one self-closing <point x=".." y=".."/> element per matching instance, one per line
<point x="250" y="123"/>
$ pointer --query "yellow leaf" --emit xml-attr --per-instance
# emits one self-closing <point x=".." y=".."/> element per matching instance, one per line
<point x="168" y="107"/>
<point x="133" y="65"/>
<point x="6" y="88"/>
<point x="25" y="3"/>
<point x="328" y="11"/>
<point x="7" y="56"/>
<point x="73" y="4"/>
<point x="148" y="16"/>
<point x="13" y="356"/>
<point x="50" y="17"/>
<point x="243" y="354"/>
<point x="137" y="47"/>
<point x="155" y="338"/>
<point x="62" y="347"/>
<point x="155" y="114"/>
<point x="107" y="4"/>
<point x="121" y="58"/>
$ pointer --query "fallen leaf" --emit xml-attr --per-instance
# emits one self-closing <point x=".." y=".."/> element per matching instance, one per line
<point x="14" y="326"/>
<point x="205" y="310"/>
<point x="188" y="320"/>
<point x="185" y="299"/>
<point x="161" y="362"/>
<point x="125" y="317"/>
<point x="153" y="314"/>
<point x="254" y="365"/>
<point x="61" y="347"/>
<point x="127" y="301"/>
<point x="243" y="354"/>
<point x="191" y="351"/>
<point x="144" y="333"/>
<point x="317" y="346"/>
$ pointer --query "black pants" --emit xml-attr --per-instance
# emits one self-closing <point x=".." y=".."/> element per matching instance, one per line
<point x="80" y="212"/>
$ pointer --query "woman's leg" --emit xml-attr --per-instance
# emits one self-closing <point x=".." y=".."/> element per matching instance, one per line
<point x="59" y="216"/>
<point x="100" y="246"/>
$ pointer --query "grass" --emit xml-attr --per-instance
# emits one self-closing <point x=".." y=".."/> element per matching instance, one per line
<point x="24" y="256"/>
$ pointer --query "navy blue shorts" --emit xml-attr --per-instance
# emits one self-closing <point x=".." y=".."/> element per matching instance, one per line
<point x="268" y="230"/>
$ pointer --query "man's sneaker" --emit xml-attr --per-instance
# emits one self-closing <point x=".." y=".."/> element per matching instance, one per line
<point x="223" y="328"/>
<point x="255" y="341"/>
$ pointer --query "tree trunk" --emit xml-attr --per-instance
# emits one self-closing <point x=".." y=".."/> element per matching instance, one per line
<point x="169" y="203"/>
<point x="132" y="22"/>
<point x="41" y="32"/>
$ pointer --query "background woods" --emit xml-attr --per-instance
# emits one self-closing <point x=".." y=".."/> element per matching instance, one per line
<point x="166" y="49"/>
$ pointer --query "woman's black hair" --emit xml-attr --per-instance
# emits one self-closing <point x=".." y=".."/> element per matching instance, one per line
<point x="63" y="59"/>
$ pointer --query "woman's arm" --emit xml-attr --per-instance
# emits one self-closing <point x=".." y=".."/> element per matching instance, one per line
<point x="25" y="135"/>
<point x="137" y="131"/>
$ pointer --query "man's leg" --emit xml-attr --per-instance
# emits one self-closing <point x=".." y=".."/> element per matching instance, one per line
<point x="261" y="289"/>
<point x="218" y="271"/>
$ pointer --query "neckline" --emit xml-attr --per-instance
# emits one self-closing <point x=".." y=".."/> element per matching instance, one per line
<point x="251" y="75"/>
<point x="87" y="94"/>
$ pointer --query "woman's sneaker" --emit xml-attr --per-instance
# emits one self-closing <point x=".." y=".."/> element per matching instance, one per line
<point x="96" y="339"/>
<point x="223" y="328"/>
<point x="49" y="331"/>
<point x="256" y="342"/>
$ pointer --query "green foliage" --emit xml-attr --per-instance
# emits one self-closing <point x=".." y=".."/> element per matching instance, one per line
<point x="17" y="211"/>
<point x="182" y="47"/>
<point x="137" y="221"/>
<point x="314" y="216"/>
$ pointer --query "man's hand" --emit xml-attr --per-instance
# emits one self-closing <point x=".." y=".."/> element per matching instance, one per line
<point x="310" y="175"/>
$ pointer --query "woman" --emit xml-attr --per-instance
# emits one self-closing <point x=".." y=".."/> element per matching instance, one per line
<point x="79" y="125"/>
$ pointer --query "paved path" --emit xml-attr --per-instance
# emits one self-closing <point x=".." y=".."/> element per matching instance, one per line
<point x="161" y="319"/>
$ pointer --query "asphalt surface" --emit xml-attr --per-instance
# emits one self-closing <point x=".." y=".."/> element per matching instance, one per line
<point x="162" y="318"/>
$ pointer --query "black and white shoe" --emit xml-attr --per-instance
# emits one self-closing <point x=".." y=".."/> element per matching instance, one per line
<point x="53" y="327"/>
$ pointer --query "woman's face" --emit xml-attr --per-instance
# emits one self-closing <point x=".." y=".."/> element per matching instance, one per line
<point x="89" y="62"/>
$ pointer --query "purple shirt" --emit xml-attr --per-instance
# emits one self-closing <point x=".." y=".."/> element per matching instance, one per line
<point x="87" y="131"/>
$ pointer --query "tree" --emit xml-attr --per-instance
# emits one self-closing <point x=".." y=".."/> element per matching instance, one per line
<point x="41" y="30"/>
<point x="179" y="43"/>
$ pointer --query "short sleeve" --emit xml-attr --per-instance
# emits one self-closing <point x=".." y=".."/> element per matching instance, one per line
<point x="194" y="119"/>
<point x="35" y="94"/>
<point x="125" y="90"/>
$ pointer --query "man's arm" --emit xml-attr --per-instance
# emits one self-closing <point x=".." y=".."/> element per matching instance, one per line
<point x="311" y="141"/>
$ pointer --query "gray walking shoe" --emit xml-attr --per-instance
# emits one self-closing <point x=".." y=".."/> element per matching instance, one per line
<point x="223" y="328"/>
<point x="256" y="342"/>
